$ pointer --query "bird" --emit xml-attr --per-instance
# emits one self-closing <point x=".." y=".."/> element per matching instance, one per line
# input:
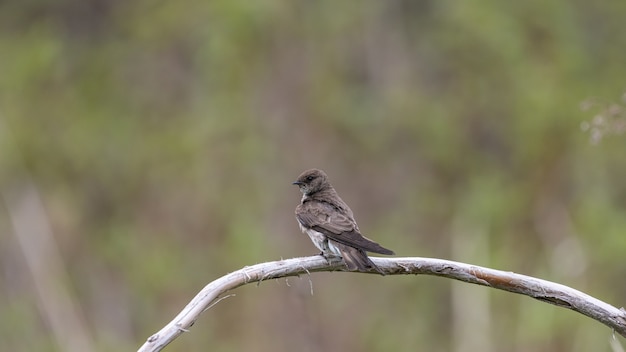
<point x="330" y="224"/>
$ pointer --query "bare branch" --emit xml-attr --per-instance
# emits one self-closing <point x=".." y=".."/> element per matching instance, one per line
<point x="542" y="290"/>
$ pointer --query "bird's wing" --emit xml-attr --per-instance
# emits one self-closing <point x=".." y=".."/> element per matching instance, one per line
<point x="356" y="259"/>
<point x="323" y="218"/>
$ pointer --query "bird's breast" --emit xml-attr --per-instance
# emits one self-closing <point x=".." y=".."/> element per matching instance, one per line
<point x="321" y="242"/>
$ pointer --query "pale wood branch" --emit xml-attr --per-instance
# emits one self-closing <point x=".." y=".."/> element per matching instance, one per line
<point x="542" y="290"/>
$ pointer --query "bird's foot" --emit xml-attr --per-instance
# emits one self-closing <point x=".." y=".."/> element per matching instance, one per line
<point x="331" y="258"/>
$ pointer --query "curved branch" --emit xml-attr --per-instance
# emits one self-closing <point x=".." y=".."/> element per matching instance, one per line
<point x="542" y="290"/>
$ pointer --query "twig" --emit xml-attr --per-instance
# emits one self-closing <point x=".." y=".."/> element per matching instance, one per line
<point x="542" y="290"/>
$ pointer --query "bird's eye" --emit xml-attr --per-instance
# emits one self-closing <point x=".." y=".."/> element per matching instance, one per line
<point x="310" y="178"/>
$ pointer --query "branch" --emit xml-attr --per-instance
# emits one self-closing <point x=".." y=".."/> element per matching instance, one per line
<point x="542" y="290"/>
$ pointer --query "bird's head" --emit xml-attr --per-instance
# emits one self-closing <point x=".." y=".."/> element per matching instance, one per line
<point x="312" y="181"/>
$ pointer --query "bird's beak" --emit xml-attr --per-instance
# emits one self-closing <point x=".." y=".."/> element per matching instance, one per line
<point x="297" y="183"/>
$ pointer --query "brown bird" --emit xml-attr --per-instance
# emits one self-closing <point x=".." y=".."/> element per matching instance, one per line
<point x="329" y="221"/>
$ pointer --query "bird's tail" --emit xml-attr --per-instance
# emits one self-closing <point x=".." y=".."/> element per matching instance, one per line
<point x="357" y="259"/>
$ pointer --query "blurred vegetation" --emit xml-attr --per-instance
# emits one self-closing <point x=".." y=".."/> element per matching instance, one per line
<point x="162" y="138"/>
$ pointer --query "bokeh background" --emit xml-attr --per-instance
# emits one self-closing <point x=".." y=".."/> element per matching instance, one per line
<point x="148" y="148"/>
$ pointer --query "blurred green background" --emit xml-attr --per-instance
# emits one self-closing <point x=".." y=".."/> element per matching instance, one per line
<point x="148" y="148"/>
